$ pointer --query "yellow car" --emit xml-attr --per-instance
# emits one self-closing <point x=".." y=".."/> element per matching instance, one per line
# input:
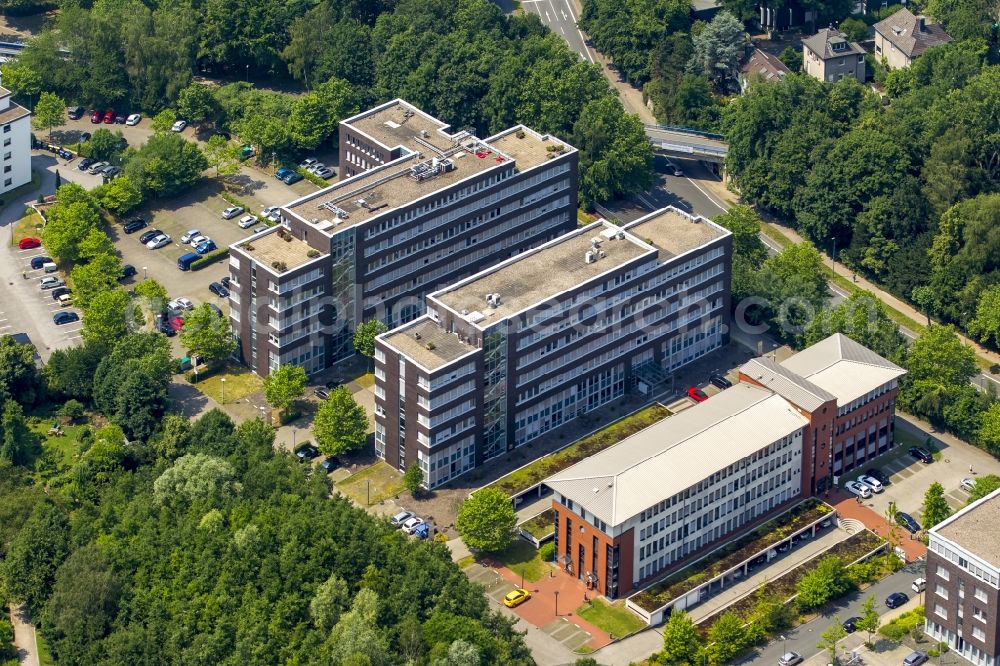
<point x="516" y="597"/>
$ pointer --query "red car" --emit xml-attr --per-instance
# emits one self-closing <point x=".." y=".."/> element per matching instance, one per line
<point x="95" y="117"/>
<point x="109" y="117"/>
<point x="29" y="243"/>
<point x="697" y="394"/>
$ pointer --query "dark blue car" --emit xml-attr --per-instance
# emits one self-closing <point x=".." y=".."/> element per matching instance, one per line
<point x="283" y="173"/>
<point x="207" y="246"/>
<point x="38" y="262"/>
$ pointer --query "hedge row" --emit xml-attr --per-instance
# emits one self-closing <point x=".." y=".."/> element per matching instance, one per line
<point x="209" y="259"/>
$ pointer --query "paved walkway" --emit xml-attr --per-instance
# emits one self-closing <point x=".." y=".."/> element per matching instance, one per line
<point x="848" y="507"/>
<point x="24" y="637"/>
<point x="780" y="566"/>
<point x="990" y="356"/>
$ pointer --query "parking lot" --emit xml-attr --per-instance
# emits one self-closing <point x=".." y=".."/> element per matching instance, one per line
<point x="67" y="334"/>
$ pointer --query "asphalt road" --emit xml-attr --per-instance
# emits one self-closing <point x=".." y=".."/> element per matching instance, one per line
<point x="560" y="18"/>
<point x="803" y="639"/>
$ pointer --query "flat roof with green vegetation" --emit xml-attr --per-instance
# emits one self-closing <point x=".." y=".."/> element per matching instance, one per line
<point x="541" y="525"/>
<point x="521" y="479"/>
<point x="729" y="555"/>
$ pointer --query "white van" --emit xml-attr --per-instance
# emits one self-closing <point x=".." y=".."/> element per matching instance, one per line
<point x="49" y="267"/>
<point x="919" y="584"/>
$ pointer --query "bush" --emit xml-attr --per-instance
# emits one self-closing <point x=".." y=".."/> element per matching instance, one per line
<point x="288" y="415"/>
<point x="209" y="259"/>
<point x="312" y="178"/>
<point x="903" y="625"/>
<point x="547" y="550"/>
<point x="72" y="411"/>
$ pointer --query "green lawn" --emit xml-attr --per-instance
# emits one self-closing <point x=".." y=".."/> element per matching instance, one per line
<point x="541" y="525"/>
<point x="44" y="656"/>
<point x="28" y="226"/>
<point x="529" y="475"/>
<point x="520" y="556"/>
<point x="372" y="484"/>
<point x="64" y="448"/>
<point x="240" y="383"/>
<point x="612" y="618"/>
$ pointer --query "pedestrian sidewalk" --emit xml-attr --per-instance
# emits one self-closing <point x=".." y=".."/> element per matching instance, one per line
<point x="991" y="357"/>
<point x="24" y="637"/>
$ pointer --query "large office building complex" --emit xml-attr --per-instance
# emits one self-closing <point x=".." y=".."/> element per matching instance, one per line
<point x="654" y="502"/>
<point x="506" y="355"/>
<point x="418" y="208"/>
<point x="962" y="605"/>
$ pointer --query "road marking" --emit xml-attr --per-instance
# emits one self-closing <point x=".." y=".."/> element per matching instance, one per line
<point x="547" y="19"/>
<point x="586" y="49"/>
<point x="768" y="242"/>
<point x="711" y="199"/>
<point x="646" y="201"/>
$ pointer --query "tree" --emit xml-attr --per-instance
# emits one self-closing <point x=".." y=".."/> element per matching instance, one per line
<point x="207" y="335"/>
<point x="19" y="377"/>
<point x="862" y="317"/>
<point x="870" y="619"/>
<point x="413" y="478"/>
<point x="20" y="77"/>
<point x="109" y="316"/>
<point x="984" y="485"/>
<point x="67" y="226"/>
<point x="98" y="276"/>
<point x="938" y="355"/>
<point x="795" y="286"/>
<point x="827" y="581"/>
<point x="222" y="155"/>
<point x="332" y="598"/>
<point x="163" y="121"/>
<point x="460" y="653"/>
<point x="616" y="156"/>
<point x="195" y="478"/>
<point x="120" y="195"/>
<point x="486" y="520"/>
<point x="792" y="58"/>
<point x="986" y="324"/>
<point x="104" y="144"/>
<point x="681" y="642"/>
<point x="935" y="507"/>
<point x="30" y="563"/>
<point x="197" y="104"/>
<point x="718" y="49"/>
<point x="726" y="638"/>
<point x="856" y="29"/>
<point x="749" y="252"/>
<point x="284" y="385"/>
<point x="166" y="165"/>
<point x="49" y="112"/>
<point x="356" y="633"/>
<point x="72" y="410"/>
<point x="829" y="638"/>
<point x="341" y="424"/>
<point x="71" y="371"/>
<point x="365" y="334"/>
<point x="18" y="441"/>
<point x="153" y="291"/>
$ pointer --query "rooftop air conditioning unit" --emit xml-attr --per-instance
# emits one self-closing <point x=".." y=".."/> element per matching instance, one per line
<point x="589" y="257"/>
<point x="620" y="235"/>
<point x="596" y="241"/>
<point x="424" y="133"/>
<point x="602" y="254"/>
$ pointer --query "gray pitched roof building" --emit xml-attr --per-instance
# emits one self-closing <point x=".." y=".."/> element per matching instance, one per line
<point x="903" y="36"/>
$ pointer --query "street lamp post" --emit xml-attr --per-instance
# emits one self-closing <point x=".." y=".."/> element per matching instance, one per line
<point x="145" y="273"/>
<point x="784" y="644"/>
<point x="833" y="258"/>
<point x="223" y="380"/>
<point x="248" y="73"/>
<point x="557" y="603"/>
<point x="522" y="576"/>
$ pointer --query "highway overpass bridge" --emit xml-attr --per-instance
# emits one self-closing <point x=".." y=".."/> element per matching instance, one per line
<point x="688" y="143"/>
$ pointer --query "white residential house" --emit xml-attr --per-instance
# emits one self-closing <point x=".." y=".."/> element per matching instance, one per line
<point x="15" y="136"/>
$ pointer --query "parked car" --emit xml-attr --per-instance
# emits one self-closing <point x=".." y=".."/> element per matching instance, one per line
<point x="790" y="659"/>
<point x="190" y="234"/>
<point x="332" y="384"/>
<point x="306" y="452"/>
<point x="218" y="289"/>
<point x="95" y="117"/>
<point x="876" y="473"/>
<point x="111" y="172"/>
<point x="29" y="243"/>
<point x="308" y="162"/>
<point x="919" y="585"/>
<point x="128" y="270"/>
<point x="133" y="119"/>
<point x="920" y="454"/>
<point x="697" y="394"/>
<point x="855" y="488"/>
<point x="160" y="241"/>
<point x="216" y="309"/>
<point x="179" y="126"/>
<point x="205" y="246"/>
<point x="292" y="178"/>
<point x="315" y="166"/>
<point x="851" y="624"/>
<point x="871" y="482"/>
<point x="915" y="658"/>
<point x="322" y="394"/>
<point x="185" y="260"/>
<point x="325" y="173"/>
<point x="719" y="380"/>
<point x="400" y="518"/>
<point x="50" y="266"/>
<point x="84" y="136"/>
<point x="907" y="521"/>
<point x="199" y="239"/>
<point x="60" y="291"/>
<point x="247" y="221"/>
<point x="329" y="464"/>
<point x="75" y="112"/>
<point x="232" y="212"/>
<point x="516" y="597"/>
<point x="120" y="118"/>
<point x="896" y="599"/>
<point x="184" y="303"/>
<point x="97" y="166"/>
<point x="225" y="282"/>
<point x="968" y="485"/>
<point x="66" y="155"/>
<point x="61" y="318"/>
<point x="257" y="230"/>
<point x="85" y="163"/>
<point x="271" y="213"/>
<point x="133" y="226"/>
<point x="149" y="235"/>
<point x="38" y="262"/>
<point x="109" y="117"/>
<point x="281" y="173"/>
<point x="410" y="526"/>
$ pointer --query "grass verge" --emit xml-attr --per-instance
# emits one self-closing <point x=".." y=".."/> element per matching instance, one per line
<point x="466" y="562"/>
<point x="240" y="383"/>
<point x="615" y="619"/>
<point x="366" y="380"/>
<point x="44" y="655"/>
<point x="28" y="226"/>
<point x="372" y="484"/>
<point x="521" y="557"/>
<point x="529" y="475"/>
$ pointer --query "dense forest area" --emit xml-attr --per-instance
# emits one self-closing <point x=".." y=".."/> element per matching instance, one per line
<point x="202" y="544"/>
<point x="461" y="60"/>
